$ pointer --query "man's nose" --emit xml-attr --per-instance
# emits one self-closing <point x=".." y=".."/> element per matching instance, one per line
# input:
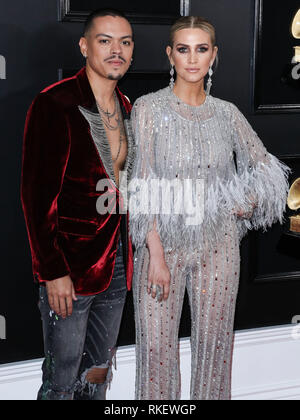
<point x="116" y="47"/>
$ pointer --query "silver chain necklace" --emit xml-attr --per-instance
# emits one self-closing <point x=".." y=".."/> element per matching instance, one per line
<point x="106" y="116"/>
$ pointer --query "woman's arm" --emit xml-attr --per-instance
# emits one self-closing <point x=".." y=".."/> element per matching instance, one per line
<point x="265" y="178"/>
<point x="158" y="271"/>
<point x="143" y="226"/>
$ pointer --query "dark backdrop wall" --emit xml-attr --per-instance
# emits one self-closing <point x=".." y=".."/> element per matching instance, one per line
<point x="35" y="45"/>
<point x="270" y="267"/>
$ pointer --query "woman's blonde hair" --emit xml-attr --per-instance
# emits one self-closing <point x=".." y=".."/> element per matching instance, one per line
<point x="188" y="22"/>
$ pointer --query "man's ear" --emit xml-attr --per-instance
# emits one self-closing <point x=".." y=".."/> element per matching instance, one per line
<point x="83" y="46"/>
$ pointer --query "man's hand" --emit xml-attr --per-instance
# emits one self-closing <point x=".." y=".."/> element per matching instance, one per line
<point x="61" y="294"/>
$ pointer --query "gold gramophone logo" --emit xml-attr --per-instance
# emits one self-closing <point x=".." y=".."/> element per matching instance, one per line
<point x="293" y="202"/>
<point x="2" y="67"/>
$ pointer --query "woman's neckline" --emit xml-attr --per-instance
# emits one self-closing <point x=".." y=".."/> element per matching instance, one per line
<point x="181" y="102"/>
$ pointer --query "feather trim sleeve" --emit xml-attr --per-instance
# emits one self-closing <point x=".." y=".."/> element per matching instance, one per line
<point x="262" y="177"/>
<point x="141" y="218"/>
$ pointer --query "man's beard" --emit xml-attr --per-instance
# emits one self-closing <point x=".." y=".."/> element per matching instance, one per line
<point x="118" y="76"/>
<point x="112" y="77"/>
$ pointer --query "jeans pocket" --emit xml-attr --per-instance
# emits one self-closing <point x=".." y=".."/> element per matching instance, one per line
<point x="43" y="298"/>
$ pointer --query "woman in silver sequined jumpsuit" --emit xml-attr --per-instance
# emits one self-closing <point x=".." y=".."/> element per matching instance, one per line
<point x="220" y="181"/>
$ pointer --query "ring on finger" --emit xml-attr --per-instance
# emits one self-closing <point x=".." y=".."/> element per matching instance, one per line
<point x="159" y="293"/>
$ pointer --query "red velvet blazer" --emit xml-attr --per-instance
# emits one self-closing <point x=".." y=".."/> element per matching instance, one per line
<point x="60" y="172"/>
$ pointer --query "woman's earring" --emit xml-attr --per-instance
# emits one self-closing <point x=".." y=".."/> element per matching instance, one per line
<point x="172" y="81"/>
<point x="209" y="82"/>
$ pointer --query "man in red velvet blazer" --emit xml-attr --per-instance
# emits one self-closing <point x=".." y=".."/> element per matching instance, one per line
<point x="77" y="137"/>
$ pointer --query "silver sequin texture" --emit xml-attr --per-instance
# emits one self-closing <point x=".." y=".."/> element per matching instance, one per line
<point x="178" y="141"/>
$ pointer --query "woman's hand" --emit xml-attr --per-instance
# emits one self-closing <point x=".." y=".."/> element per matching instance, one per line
<point x="245" y="215"/>
<point x="159" y="277"/>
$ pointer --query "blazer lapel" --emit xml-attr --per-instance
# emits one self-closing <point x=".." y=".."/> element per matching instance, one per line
<point x="126" y="108"/>
<point x="99" y="137"/>
<point x="130" y="149"/>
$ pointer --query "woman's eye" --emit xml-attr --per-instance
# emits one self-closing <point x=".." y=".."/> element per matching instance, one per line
<point x="182" y="50"/>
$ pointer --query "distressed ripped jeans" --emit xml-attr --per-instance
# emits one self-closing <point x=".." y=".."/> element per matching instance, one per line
<point x="83" y="342"/>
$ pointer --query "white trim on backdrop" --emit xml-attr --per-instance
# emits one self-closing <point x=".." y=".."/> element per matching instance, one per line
<point x="265" y="367"/>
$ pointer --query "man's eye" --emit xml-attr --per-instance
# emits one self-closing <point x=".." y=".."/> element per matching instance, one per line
<point x="126" y="42"/>
<point x="103" y="41"/>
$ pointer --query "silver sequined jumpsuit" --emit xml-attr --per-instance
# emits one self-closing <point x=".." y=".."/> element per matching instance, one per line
<point x="215" y="144"/>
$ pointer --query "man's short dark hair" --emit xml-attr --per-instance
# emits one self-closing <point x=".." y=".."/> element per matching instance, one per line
<point x="101" y="13"/>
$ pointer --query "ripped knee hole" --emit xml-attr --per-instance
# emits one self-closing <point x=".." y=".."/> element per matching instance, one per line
<point x="97" y="375"/>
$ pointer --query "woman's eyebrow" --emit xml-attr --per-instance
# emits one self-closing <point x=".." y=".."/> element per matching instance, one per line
<point x="186" y="45"/>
